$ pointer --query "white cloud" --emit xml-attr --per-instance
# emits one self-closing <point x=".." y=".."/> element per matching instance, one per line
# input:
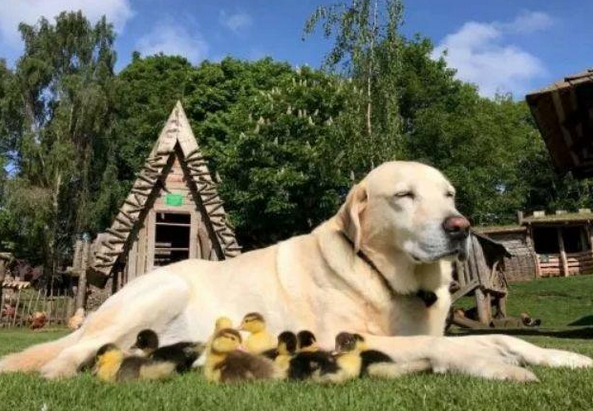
<point x="529" y="22"/>
<point x="174" y="39"/>
<point x="480" y="55"/>
<point x="236" y="21"/>
<point x="14" y="12"/>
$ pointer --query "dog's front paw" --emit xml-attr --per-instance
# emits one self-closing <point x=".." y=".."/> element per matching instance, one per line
<point x="59" y="368"/>
<point x="559" y="358"/>
<point x="510" y="373"/>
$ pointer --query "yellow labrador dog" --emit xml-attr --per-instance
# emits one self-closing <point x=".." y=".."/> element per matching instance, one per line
<point x="380" y="267"/>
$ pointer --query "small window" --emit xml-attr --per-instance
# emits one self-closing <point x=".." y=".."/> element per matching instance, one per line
<point x="172" y="238"/>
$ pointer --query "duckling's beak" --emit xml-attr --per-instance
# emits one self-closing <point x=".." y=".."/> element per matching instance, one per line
<point x="241" y="327"/>
<point x="242" y="348"/>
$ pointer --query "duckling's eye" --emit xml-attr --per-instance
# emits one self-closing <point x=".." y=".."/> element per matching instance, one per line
<point x="405" y="194"/>
<point x="450" y="194"/>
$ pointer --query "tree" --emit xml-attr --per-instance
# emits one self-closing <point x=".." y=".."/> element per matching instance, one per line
<point x="62" y="80"/>
<point x="367" y="45"/>
<point x="275" y="149"/>
<point x="275" y="180"/>
<point x="143" y="95"/>
<point x="490" y="149"/>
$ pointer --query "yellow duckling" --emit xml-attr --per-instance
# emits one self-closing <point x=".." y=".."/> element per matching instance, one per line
<point x="225" y="363"/>
<point x="221" y="323"/>
<point x="309" y="361"/>
<point x="259" y="339"/>
<point x="349" y="364"/>
<point x="111" y="365"/>
<point x="373" y="363"/>
<point x="306" y="342"/>
<point x="287" y="344"/>
<point x="183" y="354"/>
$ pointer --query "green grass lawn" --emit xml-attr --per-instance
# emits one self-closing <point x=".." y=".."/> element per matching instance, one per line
<point x="559" y="302"/>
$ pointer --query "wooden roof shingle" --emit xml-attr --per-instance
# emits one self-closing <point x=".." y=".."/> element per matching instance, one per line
<point x="563" y="112"/>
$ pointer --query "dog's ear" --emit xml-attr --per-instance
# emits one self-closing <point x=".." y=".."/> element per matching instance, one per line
<point x="351" y="212"/>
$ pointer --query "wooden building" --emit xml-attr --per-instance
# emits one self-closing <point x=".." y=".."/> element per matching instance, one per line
<point x="173" y="212"/>
<point x="562" y="242"/>
<point x="522" y="262"/>
<point x="563" y="112"/>
<point x="547" y="245"/>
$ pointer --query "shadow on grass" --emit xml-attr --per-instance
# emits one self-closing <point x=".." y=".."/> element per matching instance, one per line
<point x="586" y="320"/>
<point x="577" y="332"/>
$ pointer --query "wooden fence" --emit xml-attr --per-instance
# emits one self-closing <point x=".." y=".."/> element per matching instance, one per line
<point x="19" y="301"/>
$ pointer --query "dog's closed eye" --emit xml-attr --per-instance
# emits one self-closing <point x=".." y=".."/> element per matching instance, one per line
<point x="405" y="194"/>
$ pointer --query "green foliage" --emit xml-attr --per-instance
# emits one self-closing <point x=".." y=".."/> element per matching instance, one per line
<point x="266" y="129"/>
<point x="274" y="149"/>
<point x="285" y="142"/>
<point x="57" y="134"/>
<point x="368" y="47"/>
<point x="143" y="95"/>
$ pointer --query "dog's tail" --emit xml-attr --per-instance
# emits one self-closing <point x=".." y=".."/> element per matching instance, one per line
<point x="35" y="357"/>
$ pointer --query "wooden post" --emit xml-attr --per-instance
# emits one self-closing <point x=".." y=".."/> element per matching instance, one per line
<point x="3" y="264"/>
<point x="77" y="260"/>
<point x="1" y="306"/>
<point x="563" y="261"/>
<point x="502" y="306"/>
<point x="589" y="236"/>
<point x="81" y="291"/>
<point x="483" y="306"/>
<point x="531" y="245"/>
<point x="16" y="307"/>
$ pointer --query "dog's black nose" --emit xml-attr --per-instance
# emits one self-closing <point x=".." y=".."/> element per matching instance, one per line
<point x="456" y="227"/>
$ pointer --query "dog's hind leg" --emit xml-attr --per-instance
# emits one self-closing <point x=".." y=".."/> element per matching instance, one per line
<point x="157" y="303"/>
<point x="35" y="357"/>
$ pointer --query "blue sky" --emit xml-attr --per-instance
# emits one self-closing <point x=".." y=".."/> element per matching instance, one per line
<point x="502" y="45"/>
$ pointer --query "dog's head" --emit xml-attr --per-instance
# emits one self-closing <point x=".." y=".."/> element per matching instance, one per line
<point x="407" y="207"/>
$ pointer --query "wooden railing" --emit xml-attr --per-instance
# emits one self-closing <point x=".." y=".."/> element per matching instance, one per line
<point x="577" y="264"/>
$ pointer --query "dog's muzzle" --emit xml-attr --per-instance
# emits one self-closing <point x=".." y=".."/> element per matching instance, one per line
<point x="456" y="229"/>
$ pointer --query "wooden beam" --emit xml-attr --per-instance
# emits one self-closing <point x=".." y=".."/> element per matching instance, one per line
<point x="563" y="261"/>
<point x="483" y="306"/>
<point x="466" y="322"/>
<point x="464" y="290"/>
<point x="589" y="236"/>
<point x="531" y="246"/>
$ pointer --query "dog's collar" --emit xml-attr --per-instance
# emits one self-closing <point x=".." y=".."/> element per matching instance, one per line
<point x="427" y="297"/>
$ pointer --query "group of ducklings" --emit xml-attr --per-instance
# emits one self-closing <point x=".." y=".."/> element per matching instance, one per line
<point x="229" y="358"/>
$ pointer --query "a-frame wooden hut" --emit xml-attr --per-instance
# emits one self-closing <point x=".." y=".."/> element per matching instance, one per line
<point x="173" y="212"/>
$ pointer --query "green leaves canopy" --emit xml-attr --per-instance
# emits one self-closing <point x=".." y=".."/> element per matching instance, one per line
<point x="283" y="141"/>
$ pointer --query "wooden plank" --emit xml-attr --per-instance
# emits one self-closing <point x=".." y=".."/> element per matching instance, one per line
<point x="483" y="306"/>
<point x="173" y="224"/>
<point x="562" y="252"/>
<point x="1" y="306"/>
<point x="141" y="266"/>
<point x="16" y="307"/>
<point x="131" y="265"/>
<point x="531" y="247"/>
<point x="466" y="289"/>
<point x="150" y="240"/>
